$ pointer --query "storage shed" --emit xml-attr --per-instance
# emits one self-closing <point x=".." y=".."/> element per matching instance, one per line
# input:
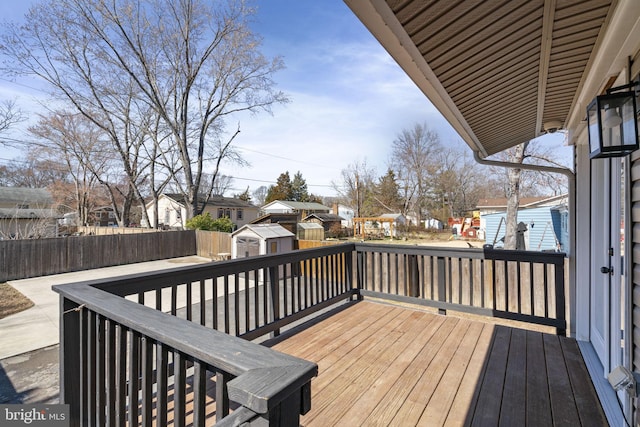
<point x="310" y="231"/>
<point x="261" y="239"/>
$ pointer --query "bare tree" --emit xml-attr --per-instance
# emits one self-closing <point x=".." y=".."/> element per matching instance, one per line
<point x="9" y="116"/>
<point x="414" y="162"/>
<point x="357" y="188"/>
<point x="80" y="149"/>
<point x="193" y="62"/>
<point x="458" y="183"/>
<point x="522" y="183"/>
<point x="260" y="194"/>
<point x="33" y="171"/>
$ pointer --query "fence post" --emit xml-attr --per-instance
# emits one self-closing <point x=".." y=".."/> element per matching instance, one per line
<point x="70" y="364"/>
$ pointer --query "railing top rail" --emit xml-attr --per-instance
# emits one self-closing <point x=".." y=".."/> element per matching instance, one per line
<point x="141" y="282"/>
<point x="262" y="374"/>
<point x="525" y="256"/>
<point x="473" y="253"/>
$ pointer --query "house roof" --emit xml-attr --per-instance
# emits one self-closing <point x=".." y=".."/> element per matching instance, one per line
<point x="276" y="218"/>
<point x="499" y="70"/>
<point x="392" y="215"/>
<point x="310" y="226"/>
<point x="324" y="217"/>
<point x="307" y="206"/>
<point x="215" y="201"/>
<point x="25" y="195"/>
<point x="12" y="213"/>
<point x="266" y="231"/>
<point x="525" y="202"/>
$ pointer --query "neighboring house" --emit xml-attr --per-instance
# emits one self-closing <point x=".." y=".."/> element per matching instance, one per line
<point x="301" y="208"/>
<point x="27" y="213"/>
<point x="326" y="220"/>
<point x="489" y="206"/>
<point x="547" y="228"/>
<point x="103" y="216"/>
<point x="534" y="68"/>
<point x="547" y="207"/>
<point x="172" y="211"/>
<point x="345" y="212"/>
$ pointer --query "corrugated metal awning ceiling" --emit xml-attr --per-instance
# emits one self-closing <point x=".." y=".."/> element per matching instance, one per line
<point x="507" y="66"/>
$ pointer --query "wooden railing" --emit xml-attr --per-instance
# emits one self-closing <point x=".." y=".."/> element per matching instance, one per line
<point x="518" y="285"/>
<point x="172" y="331"/>
<point x="175" y="333"/>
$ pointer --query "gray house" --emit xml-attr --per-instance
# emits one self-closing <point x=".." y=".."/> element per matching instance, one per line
<point x="26" y="213"/>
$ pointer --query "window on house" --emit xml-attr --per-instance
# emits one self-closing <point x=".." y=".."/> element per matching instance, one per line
<point x="23" y="206"/>
<point x="167" y="216"/>
<point x="227" y="213"/>
<point x="274" y="248"/>
<point x="239" y="214"/>
<point x="220" y="213"/>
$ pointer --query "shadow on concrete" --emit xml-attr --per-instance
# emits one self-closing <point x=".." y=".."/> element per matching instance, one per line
<point x="30" y="377"/>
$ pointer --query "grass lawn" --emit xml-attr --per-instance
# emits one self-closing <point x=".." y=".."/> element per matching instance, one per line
<point x="12" y="301"/>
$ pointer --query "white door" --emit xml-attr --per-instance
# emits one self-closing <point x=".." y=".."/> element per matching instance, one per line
<point x="607" y="260"/>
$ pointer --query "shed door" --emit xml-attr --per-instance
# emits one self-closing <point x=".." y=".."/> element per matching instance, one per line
<point x="247" y="246"/>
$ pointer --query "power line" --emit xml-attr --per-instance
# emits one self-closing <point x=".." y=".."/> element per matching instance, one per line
<point x="274" y="182"/>
<point x="284" y="158"/>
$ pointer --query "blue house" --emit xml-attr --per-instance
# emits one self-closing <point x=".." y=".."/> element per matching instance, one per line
<point x="546" y="228"/>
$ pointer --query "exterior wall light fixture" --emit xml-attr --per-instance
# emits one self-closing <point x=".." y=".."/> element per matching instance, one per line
<point x="612" y="121"/>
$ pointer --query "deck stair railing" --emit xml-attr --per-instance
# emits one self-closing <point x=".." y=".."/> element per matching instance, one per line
<point x="175" y="346"/>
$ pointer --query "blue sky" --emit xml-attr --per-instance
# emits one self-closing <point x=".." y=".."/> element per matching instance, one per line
<point x="349" y="99"/>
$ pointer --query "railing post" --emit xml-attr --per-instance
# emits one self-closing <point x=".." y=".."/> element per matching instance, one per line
<point x="275" y="296"/>
<point x="222" y="395"/>
<point x="414" y="276"/>
<point x="348" y="273"/>
<point x="560" y="301"/>
<point x="441" y="267"/>
<point x="360" y="273"/>
<point x="70" y="364"/>
<point x="287" y="412"/>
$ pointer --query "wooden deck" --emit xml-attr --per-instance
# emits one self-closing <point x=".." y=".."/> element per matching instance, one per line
<point x="388" y="365"/>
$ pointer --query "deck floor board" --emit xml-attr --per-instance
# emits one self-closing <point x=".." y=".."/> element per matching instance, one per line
<point x="388" y="365"/>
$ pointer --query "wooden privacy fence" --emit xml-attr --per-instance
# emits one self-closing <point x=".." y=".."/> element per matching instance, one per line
<point x="213" y="244"/>
<point x="21" y="259"/>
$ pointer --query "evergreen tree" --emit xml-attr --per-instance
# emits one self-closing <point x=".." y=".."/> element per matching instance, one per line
<point x="387" y="193"/>
<point x="246" y="196"/>
<point x="299" y="192"/>
<point x="280" y="191"/>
